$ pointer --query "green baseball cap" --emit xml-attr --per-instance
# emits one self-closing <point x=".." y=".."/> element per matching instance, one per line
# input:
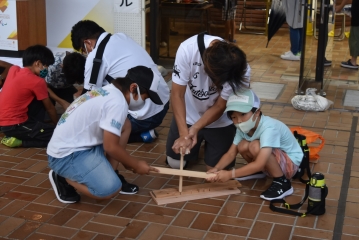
<point x="242" y="101"/>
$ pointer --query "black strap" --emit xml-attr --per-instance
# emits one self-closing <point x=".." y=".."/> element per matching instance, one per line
<point x="109" y="78"/>
<point x="98" y="60"/>
<point x="324" y="193"/>
<point x="288" y="206"/>
<point x="200" y="42"/>
<point x="305" y="166"/>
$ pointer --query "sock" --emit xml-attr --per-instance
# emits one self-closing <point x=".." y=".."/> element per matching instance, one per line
<point x="281" y="179"/>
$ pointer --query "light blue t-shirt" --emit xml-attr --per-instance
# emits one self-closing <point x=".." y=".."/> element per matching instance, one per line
<point x="275" y="134"/>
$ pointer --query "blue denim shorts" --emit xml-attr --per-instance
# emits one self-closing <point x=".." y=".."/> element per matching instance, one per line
<point x="89" y="167"/>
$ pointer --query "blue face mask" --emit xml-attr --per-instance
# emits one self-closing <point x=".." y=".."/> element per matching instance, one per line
<point x="43" y="72"/>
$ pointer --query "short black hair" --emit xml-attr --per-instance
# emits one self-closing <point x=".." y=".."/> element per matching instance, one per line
<point x="85" y="29"/>
<point x="74" y="68"/>
<point x="226" y="63"/>
<point x="37" y="53"/>
<point x="253" y="110"/>
<point x="125" y="83"/>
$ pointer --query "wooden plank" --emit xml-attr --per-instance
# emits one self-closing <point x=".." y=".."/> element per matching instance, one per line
<point x="185" y="173"/>
<point x="194" y="189"/>
<point x="202" y="192"/>
<point x="181" y="177"/>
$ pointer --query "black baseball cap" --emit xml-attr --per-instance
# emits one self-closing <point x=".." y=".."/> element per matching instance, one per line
<point x="146" y="78"/>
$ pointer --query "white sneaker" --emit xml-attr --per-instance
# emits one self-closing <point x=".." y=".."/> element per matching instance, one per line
<point x="289" y="52"/>
<point x="291" y="56"/>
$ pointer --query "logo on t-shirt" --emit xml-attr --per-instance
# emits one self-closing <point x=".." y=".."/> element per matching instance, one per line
<point x="116" y="124"/>
<point x="80" y="100"/>
<point x="195" y="76"/>
<point x="176" y="71"/>
<point x="201" y="94"/>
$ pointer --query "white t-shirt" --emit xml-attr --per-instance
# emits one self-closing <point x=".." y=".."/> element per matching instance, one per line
<point x="275" y="134"/>
<point x="81" y="126"/>
<point x="201" y="93"/>
<point x="122" y="53"/>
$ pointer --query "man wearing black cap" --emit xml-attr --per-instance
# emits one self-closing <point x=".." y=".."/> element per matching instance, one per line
<point x="90" y="139"/>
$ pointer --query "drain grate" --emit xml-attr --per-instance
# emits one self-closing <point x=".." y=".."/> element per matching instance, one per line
<point x="351" y="98"/>
<point x="267" y="90"/>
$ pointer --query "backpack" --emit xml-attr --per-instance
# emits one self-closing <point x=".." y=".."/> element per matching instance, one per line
<point x="304" y="165"/>
<point x="311" y="137"/>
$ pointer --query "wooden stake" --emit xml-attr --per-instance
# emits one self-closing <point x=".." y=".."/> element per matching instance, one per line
<point x="181" y="177"/>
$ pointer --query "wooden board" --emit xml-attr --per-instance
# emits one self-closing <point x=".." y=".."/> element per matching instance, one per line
<point x="193" y="192"/>
<point x="185" y="173"/>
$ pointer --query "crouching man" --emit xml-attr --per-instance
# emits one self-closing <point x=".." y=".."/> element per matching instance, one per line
<point x="90" y="139"/>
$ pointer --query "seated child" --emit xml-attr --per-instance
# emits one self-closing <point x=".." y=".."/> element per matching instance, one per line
<point x="4" y="69"/>
<point x="56" y="79"/>
<point x="24" y="100"/>
<point x="265" y="143"/>
<point x="64" y="76"/>
<point x="94" y="124"/>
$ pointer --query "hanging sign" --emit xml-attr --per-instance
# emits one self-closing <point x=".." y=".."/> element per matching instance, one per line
<point x="127" y="6"/>
<point x="8" y="25"/>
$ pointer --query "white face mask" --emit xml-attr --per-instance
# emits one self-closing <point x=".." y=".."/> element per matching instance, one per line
<point x="246" y="126"/>
<point x="136" y="105"/>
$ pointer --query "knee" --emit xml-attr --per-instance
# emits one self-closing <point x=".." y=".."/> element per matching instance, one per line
<point x="254" y="147"/>
<point x="108" y="189"/>
<point x="174" y="163"/>
<point x="243" y="147"/>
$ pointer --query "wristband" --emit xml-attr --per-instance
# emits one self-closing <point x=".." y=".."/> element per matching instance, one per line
<point x="233" y="173"/>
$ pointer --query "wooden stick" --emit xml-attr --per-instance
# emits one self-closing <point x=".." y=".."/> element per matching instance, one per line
<point x="185" y="173"/>
<point x="181" y="177"/>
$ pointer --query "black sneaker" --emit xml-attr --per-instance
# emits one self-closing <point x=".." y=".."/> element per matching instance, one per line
<point x="64" y="192"/>
<point x="277" y="190"/>
<point x="327" y="63"/>
<point x="252" y="176"/>
<point x="127" y="188"/>
<point x="348" y="64"/>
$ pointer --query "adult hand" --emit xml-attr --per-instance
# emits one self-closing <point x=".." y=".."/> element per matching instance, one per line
<point x="143" y="168"/>
<point x="184" y="143"/>
<point x="192" y="134"/>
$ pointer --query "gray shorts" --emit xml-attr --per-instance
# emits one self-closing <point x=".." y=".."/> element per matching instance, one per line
<point x="217" y="143"/>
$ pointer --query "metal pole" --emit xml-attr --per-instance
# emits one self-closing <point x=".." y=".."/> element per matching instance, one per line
<point x="154" y="43"/>
<point x="307" y="6"/>
<point x="324" y="15"/>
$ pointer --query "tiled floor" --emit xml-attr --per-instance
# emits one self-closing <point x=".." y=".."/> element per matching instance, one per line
<point x="30" y="210"/>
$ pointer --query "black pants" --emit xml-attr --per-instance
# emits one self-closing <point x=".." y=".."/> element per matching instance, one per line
<point x="65" y="93"/>
<point x="217" y="142"/>
<point x="33" y="132"/>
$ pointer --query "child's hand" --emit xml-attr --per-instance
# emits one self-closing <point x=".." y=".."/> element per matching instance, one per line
<point x="224" y="176"/>
<point x="213" y="170"/>
<point x="143" y="168"/>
